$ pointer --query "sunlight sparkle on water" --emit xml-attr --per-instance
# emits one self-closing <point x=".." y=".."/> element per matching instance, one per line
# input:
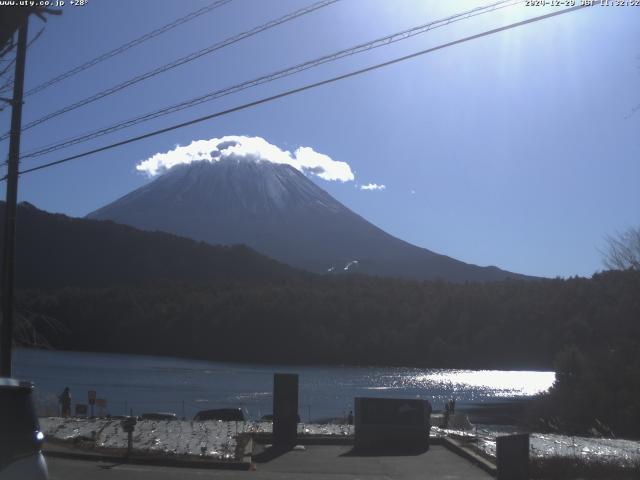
<point x="504" y="383"/>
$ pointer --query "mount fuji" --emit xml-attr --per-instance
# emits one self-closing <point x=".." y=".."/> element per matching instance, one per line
<point x="279" y="212"/>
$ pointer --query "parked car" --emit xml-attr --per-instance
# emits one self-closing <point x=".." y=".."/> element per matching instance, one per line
<point x="158" y="416"/>
<point x="269" y="418"/>
<point x="20" y="436"/>
<point x="226" y="414"/>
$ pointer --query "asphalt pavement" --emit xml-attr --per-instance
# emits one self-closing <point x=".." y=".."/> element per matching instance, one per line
<point x="314" y="462"/>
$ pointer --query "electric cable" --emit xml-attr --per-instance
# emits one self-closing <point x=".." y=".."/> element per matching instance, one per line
<point x="305" y="88"/>
<point x="123" y="48"/>
<point x="177" y="63"/>
<point x="363" y="47"/>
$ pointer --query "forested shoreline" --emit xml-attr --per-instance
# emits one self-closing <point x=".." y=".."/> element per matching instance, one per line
<point x="349" y="319"/>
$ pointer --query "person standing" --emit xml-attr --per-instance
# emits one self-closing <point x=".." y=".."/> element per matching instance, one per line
<point x="447" y="407"/>
<point x="65" y="402"/>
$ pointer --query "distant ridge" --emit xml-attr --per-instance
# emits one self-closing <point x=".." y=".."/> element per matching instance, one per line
<point x="55" y="251"/>
<point x="279" y="212"/>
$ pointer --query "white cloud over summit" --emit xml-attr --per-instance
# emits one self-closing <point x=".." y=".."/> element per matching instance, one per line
<point x="253" y="149"/>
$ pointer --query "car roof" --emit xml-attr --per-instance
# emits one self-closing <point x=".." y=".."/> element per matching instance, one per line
<point x="15" y="384"/>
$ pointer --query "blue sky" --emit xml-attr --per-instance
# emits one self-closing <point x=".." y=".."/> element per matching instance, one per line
<point x="516" y="150"/>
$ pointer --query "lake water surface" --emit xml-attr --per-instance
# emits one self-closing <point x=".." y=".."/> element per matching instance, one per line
<point x="138" y="384"/>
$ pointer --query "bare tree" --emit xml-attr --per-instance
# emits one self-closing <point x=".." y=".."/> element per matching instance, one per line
<point x="27" y="332"/>
<point x="623" y="250"/>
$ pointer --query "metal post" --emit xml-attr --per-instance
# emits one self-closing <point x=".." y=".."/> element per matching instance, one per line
<point x="129" y="443"/>
<point x="6" y="330"/>
<point x="285" y="408"/>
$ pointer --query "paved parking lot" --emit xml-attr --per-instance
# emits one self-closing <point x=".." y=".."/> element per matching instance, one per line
<point x="314" y="462"/>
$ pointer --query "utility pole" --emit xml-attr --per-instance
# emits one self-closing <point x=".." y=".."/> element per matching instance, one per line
<point x="6" y="329"/>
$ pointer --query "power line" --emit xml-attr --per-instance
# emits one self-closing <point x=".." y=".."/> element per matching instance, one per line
<point x="7" y="68"/>
<point x="379" y="42"/>
<point x="304" y="88"/>
<point x="127" y="46"/>
<point x="179" y="62"/>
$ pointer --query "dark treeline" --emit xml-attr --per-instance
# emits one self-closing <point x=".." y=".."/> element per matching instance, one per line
<point x="597" y="388"/>
<point x="352" y="319"/>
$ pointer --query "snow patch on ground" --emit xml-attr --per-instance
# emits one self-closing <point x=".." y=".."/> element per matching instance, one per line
<point x="553" y="445"/>
<point x="210" y="439"/>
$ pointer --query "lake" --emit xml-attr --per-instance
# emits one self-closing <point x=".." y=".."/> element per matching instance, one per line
<point x="138" y="384"/>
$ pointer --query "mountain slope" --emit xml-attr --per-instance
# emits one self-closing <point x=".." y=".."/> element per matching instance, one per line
<point x="54" y="251"/>
<point x="276" y="210"/>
